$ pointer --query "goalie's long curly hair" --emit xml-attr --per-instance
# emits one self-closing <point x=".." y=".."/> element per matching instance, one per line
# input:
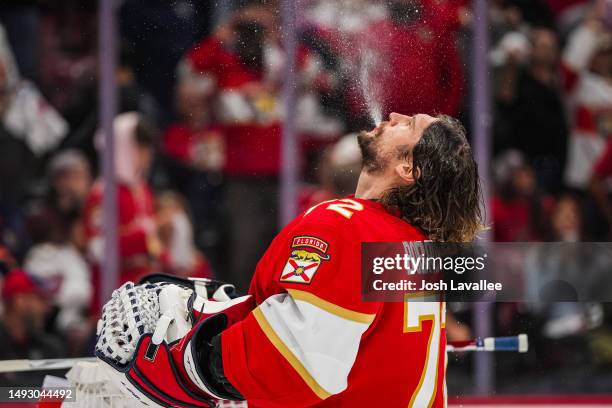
<point x="445" y="200"/>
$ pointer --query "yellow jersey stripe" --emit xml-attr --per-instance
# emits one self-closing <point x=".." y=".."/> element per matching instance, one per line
<point x="332" y="308"/>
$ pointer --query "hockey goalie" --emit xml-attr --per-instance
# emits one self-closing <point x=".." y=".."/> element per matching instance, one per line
<point x="303" y="337"/>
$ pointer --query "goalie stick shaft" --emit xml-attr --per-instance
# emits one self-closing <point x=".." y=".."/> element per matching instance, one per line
<point x="511" y="343"/>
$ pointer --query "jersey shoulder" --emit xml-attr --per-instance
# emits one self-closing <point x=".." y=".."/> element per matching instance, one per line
<point x="363" y="220"/>
<point x="334" y="213"/>
<point x="350" y="214"/>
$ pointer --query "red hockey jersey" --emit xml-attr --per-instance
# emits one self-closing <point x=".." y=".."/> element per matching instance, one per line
<point x="312" y="341"/>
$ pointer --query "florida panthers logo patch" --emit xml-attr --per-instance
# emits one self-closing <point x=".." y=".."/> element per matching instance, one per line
<point x="307" y="253"/>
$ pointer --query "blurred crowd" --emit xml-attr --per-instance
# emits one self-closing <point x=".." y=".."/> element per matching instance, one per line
<point x="199" y="132"/>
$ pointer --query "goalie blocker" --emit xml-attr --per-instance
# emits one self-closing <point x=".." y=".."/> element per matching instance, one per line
<point x="160" y="340"/>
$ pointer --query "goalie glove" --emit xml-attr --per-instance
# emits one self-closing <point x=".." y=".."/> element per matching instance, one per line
<point x="157" y="341"/>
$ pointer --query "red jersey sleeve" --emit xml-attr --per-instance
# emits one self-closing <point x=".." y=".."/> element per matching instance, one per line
<point x="304" y="338"/>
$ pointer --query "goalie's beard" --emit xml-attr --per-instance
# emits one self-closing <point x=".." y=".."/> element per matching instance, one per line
<point x="371" y="157"/>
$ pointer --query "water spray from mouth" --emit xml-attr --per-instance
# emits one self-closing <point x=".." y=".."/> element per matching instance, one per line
<point x="366" y="70"/>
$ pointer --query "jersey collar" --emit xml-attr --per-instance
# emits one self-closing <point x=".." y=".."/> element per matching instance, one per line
<point x="375" y="204"/>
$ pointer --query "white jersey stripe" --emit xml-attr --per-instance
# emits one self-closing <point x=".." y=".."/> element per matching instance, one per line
<point x="323" y="343"/>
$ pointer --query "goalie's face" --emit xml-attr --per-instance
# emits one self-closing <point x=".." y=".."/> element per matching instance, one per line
<point x="390" y="144"/>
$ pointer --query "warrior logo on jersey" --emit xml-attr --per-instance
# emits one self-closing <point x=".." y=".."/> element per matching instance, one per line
<point x="307" y="253"/>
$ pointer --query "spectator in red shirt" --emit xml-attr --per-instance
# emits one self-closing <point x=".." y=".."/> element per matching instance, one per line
<point x="246" y="61"/>
<point x="243" y="59"/>
<point x="139" y="245"/>
<point x="195" y="141"/>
